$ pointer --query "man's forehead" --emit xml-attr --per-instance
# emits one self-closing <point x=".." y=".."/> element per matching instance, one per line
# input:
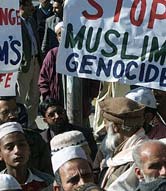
<point x="76" y="164"/>
<point x="153" y="152"/>
<point x="7" y="102"/>
<point x="12" y="138"/>
<point x="75" y="168"/>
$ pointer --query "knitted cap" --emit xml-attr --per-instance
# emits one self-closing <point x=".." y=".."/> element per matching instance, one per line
<point x="10" y="127"/>
<point x="70" y="138"/>
<point x="61" y="157"/>
<point x="58" y="26"/>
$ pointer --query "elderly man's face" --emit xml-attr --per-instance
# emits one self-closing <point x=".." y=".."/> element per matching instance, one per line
<point x="160" y="97"/>
<point x="113" y="138"/>
<point x="153" y="162"/>
<point x="74" y="173"/>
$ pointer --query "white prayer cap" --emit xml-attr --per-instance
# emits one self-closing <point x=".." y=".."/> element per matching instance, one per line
<point x="61" y="157"/>
<point x="58" y="26"/>
<point x="10" y="127"/>
<point x="142" y="95"/>
<point x="70" y="138"/>
<point x="8" y="182"/>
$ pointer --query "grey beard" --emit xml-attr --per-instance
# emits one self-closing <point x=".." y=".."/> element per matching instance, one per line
<point x="148" y="179"/>
<point x="110" y="142"/>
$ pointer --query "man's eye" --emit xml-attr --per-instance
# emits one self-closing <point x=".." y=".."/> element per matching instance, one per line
<point x="10" y="147"/>
<point x="74" y="180"/>
<point x="87" y="176"/>
<point x="5" y="112"/>
<point x="155" y="166"/>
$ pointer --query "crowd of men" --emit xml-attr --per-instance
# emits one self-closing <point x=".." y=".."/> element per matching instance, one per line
<point x="65" y="156"/>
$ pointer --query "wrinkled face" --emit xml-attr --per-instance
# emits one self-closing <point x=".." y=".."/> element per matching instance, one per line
<point x="14" y="150"/>
<point x="74" y="173"/>
<point x="8" y="111"/>
<point x="55" y="116"/>
<point x="154" y="162"/>
<point x="160" y="96"/>
<point x="58" y="34"/>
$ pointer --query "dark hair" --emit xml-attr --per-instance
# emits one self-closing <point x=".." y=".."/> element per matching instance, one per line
<point x="22" y="115"/>
<point x="48" y="103"/>
<point x="23" y="2"/>
<point x="6" y="98"/>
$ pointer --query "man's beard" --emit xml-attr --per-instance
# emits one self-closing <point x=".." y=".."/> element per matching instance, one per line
<point x="111" y="141"/>
<point x="59" y="128"/>
<point x="148" y="179"/>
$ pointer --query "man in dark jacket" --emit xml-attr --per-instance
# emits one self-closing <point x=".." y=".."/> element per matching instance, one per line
<point x="50" y="39"/>
<point x="27" y="88"/>
<point x="56" y="118"/>
<point x="41" y="13"/>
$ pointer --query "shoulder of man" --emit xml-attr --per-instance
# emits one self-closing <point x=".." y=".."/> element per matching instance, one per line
<point x="33" y="136"/>
<point x="3" y="171"/>
<point x="49" y="179"/>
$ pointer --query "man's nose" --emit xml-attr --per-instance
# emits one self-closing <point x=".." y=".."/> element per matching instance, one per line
<point x="56" y="115"/>
<point x="12" y="116"/>
<point x="163" y="171"/>
<point x="81" y="181"/>
<point x="16" y="149"/>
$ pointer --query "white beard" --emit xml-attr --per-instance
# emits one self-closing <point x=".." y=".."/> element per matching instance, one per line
<point x="110" y="142"/>
<point x="148" y="179"/>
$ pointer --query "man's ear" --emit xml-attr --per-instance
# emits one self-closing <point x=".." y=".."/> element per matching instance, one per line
<point x="45" y="120"/>
<point x="1" y="159"/>
<point x="138" y="173"/>
<point x="56" y="187"/>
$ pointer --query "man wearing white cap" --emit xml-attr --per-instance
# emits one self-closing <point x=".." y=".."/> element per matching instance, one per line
<point x="15" y="152"/>
<point x="71" y="138"/>
<point x="40" y="154"/>
<point x="70" y="166"/>
<point x="9" y="183"/>
<point x="125" y="117"/>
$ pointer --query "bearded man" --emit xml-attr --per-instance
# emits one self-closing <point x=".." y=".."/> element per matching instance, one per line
<point x="150" y="164"/>
<point x="126" y="118"/>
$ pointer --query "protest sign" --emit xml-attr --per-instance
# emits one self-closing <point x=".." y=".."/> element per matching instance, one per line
<point x="115" y="40"/>
<point x="10" y="46"/>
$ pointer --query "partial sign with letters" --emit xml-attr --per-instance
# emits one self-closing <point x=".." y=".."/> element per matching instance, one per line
<point x="10" y="46"/>
<point x="115" y="40"/>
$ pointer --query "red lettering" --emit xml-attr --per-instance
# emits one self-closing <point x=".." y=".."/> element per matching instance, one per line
<point x="117" y="11"/>
<point x="12" y="20"/>
<point x="9" y="16"/>
<point x="18" y="17"/>
<point x="8" y="78"/>
<point x="3" y="16"/>
<point x="154" y="15"/>
<point x="1" y="77"/>
<point x="142" y="12"/>
<point x="97" y="7"/>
